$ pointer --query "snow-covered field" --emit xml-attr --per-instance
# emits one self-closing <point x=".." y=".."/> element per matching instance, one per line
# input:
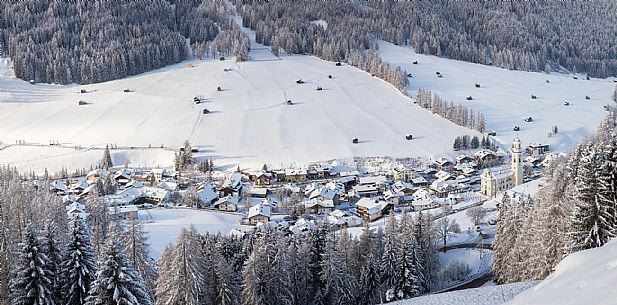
<point x="504" y="96"/>
<point x="490" y="295"/>
<point x="164" y="225"/>
<point x="586" y="277"/>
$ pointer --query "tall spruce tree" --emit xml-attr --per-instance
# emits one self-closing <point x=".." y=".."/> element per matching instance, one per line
<point x="107" y="163"/>
<point x="32" y="282"/>
<point x="78" y="270"/>
<point x="117" y="283"/>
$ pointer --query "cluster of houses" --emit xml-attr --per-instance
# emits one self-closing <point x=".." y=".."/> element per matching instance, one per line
<point x="339" y="194"/>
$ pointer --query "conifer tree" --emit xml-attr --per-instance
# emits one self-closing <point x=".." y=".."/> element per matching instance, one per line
<point x="78" y="270"/>
<point x="116" y="282"/>
<point x="32" y="283"/>
<point x="107" y="163"/>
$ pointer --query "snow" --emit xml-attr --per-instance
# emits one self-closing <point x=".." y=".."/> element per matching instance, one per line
<point x="164" y="225"/>
<point x="586" y="277"/>
<point x="249" y="121"/>
<point x="321" y="23"/>
<point x="489" y="295"/>
<point x="504" y="96"/>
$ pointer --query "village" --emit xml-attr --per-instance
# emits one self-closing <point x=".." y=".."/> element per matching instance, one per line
<point x="294" y="199"/>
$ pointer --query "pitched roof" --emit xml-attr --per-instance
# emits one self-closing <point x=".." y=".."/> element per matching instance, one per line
<point x="259" y="209"/>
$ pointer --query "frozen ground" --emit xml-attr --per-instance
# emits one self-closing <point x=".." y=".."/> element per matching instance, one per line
<point x="490" y="295"/>
<point x="164" y="225"/>
<point x="504" y="96"/>
<point x="586" y="277"/>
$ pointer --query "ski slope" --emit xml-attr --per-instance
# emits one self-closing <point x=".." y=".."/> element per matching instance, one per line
<point x="504" y="96"/>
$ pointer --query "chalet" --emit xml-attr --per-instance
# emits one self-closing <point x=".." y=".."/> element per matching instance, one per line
<point x="96" y="174"/>
<point x="233" y="185"/>
<point x="295" y="175"/>
<point x="319" y="206"/>
<point x="156" y="195"/>
<point x="463" y="159"/>
<point x="123" y="176"/>
<point x="425" y="203"/>
<point x="58" y="187"/>
<point x="403" y="173"/>
<point x="393" y="197"/>
<point x="302" y="226"/>
<point x="76" y="209"/>
<point x="123" y="212"/>
<point x="485" y="155"/>
<point x="372" y="181"/>
<point x="227" y="203"/>
<point x="343" y="219"/>
<point x="78" y="187"/>
<point x="443" y="188"/>
<point x="259" y="213"/>
<point x="260" y="192"/>
<point x="160" y="174"/>
<point x="325" y="193"/>
<point x="372" y="209"/>
<point x="443" y="163"/>
<point x="169" y="184"/>
<point x="125" y="197"/>
<point x="134" y="184"/>
<point x="419" y="181"/>
<point x="537" y="149"/>
<point x="262" y="178"/>
<point x="443" y="175"/>
<point x="403" y="187"/>
<point x="207" y="194"/>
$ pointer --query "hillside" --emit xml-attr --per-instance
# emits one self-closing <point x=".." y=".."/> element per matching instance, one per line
<point x="504" y="96"/>
<point x="586" y="277"/>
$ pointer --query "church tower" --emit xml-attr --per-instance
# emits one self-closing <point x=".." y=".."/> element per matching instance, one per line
<point x="517" y="162"/>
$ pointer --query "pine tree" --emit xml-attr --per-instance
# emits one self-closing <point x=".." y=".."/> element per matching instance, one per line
<point x="593" y="223"/>
<point x="32" y="282"/>
<point x="339" y="286"/>
<point x="182" y="281"/>
<point x="107" y="163"/>
<point x="78" y="270"/>
<point x="475" y="142"/>
<point x="135" y="241"/>
<point x="389" y="268"/>
<point x="52" y="250"/>
<point x="117" y="283"/>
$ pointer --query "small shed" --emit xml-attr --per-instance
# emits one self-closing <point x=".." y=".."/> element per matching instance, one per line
<point x="528" y="119"/>
<point x="289" y="102"/>
<point x="219" y="89"/>
<point x="492" y="133"/>
<point x="205" y="111"/>
<point x="415" y="62"/>
<point x="330" y="76"/>
<point x="319" y="88"/>
<point x="587" y="97"/>
<point x="299" y="81"/>
<point x="409" y="136"/>
<point x="469" y="98"/>
<point x="222" y="58"/>
<point x="409" y="75"/>
<point x="533" y="97"/>
<point x="516" y="128"/>
<point x="83" y="91"/>
<point x="354" y="140"/>
<point x="32" y="82"/>
<point x="127" y="90"/>
<point x="437" y="73"/>
<point x="547" y="81"/>
<point x="189" y="66"/>
<point x="575" y="77"/>
<point x="477" y="85"/>
<point x="82" y="102"/>
<point x="338" y="64"/>
<point x="566" y="103"/>
<point x="197" y="100"/>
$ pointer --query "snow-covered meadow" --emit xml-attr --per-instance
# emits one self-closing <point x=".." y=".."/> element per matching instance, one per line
<point x="504" y="96"/>
<point x="164" y="225"/>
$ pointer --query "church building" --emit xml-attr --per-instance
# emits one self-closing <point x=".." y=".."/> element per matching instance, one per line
<point x="498" y="180"/>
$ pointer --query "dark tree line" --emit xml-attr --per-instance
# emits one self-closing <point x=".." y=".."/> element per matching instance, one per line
<point x="81" y="41"/>
<point x="539" y="36"/>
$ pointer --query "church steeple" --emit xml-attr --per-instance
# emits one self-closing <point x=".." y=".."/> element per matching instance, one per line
<point x="517" y="162"/>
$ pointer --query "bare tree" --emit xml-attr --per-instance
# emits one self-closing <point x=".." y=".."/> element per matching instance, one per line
<point x="445" y="228"/>
<point x="476" y="214"/>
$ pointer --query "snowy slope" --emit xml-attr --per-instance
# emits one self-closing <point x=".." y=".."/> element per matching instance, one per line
<point x="586" y="277"/>
<point x="249" y="122"/>
<point x="504" y="96"/>
<point x="164" y="225"/>
<point x="490" y="295"/>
